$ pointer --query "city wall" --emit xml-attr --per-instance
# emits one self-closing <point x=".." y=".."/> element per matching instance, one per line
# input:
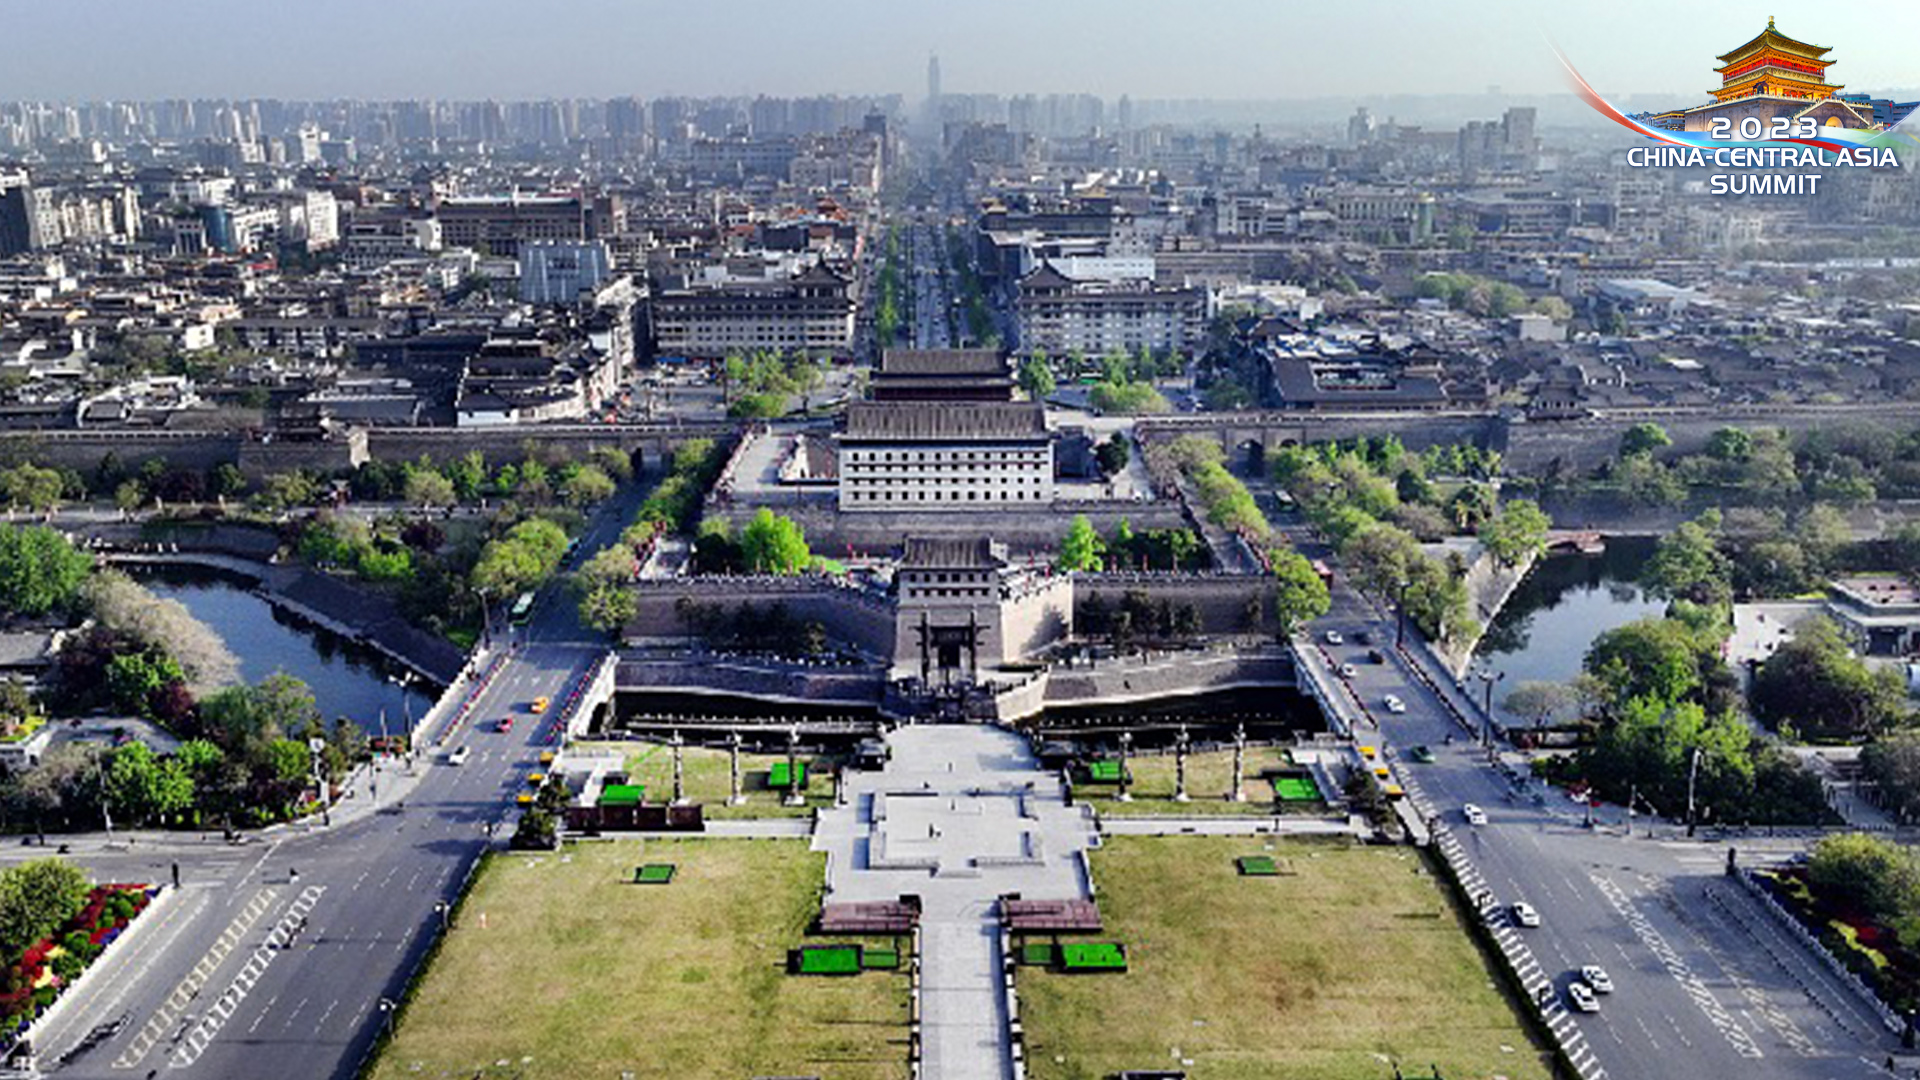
<point x="1221" y="600"/>
<point x="858" y="618"/>
<point x="1030" y="532"/>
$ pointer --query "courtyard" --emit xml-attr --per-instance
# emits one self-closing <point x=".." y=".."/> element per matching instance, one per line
<point x="705" y="773"/>
<point x="1350" y="961"/>
<point x="559" y="967"/>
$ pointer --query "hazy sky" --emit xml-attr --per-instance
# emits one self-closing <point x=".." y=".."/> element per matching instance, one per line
<point x="76" y="49"/>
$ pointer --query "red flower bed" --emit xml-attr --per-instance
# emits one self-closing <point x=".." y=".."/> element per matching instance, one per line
<point x="105" y="915"/>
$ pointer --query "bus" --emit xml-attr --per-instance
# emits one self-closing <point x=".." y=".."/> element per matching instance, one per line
<point x="522" y="610"/>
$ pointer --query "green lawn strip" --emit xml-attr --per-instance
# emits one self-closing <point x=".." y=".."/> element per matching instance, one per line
<point x="565" y="970"/>
<point x="1356" y="957"/>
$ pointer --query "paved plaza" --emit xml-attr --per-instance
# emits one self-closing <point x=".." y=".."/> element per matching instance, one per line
<point x="960" y="816"/>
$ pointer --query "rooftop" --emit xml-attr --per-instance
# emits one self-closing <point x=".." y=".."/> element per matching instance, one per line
<point x="944" y="553"/>
<point x="914" y="421"/>
<point x="942" y="362"/>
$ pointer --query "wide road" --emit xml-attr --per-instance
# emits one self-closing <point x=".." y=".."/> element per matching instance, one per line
<point x="1706" y="985"/>
<point x="213" y="990"/>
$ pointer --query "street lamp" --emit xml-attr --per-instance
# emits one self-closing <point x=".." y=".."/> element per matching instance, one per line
<point x="387" y="1007"/>
<point x="445" y="911"/>
<point x="1487" y="679"/>
<point x="1400" y="604"/>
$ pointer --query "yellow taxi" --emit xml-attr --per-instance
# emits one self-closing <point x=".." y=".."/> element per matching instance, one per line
<point x="536" y="779"/>
<point x="539" y="705"/>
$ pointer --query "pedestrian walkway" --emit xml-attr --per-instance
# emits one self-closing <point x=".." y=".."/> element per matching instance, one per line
<point x="961" y="815"/>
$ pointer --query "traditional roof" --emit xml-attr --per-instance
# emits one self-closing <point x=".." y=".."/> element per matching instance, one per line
<point x="942" y="362"/>
<point x="1778" y="40"/>
<point x="951" y="553"/>
<point x="914" y="421"/>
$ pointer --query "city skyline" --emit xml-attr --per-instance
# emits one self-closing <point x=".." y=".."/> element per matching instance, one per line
<point x="91" y="50"/>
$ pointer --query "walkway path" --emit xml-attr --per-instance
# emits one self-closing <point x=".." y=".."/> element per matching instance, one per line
<point x="960" y="816"/>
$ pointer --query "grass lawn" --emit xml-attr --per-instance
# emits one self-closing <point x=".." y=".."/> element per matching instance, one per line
<point x="704" y="772"/>
<point x="586" y="975"/>
<point x="1333" y="973"/>
<point x="1209" y="775"/>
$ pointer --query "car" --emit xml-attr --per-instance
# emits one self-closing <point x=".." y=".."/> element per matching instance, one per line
<point x="459" y="755"/>
<point x="505" y="725"/>
<point x="1596" y="976"/>
<point x="1375" y="656"/>
<point x="535" y="779"/>
<point x="1362" y="637"/>
<point x="1421" y="755"/>
<point x="525" y="798"/>
<point x="1525" y="915"/>
<point x="1348" y="671"/>
<point x="539" y="705"/>
<point x="1473" y="814"/>
<point x="1395" y="705"/>
<point x="1581" y="997"/>
<point x="1334" y="638"/>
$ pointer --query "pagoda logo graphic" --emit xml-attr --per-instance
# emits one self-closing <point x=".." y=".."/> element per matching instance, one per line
<point x="1773" y="89"/>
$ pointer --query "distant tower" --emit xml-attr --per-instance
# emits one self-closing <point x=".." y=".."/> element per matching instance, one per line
<point x="933" y="80"/>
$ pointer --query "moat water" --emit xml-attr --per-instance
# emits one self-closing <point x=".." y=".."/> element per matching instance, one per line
<point x="347" y="679"/>
<point x="1566" y="602"/>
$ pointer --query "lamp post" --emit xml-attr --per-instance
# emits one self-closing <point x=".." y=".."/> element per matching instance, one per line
<point x="679" y="776"/>
<point x="1126" y="743"/>
<point x="733" y="767"/>
<point x="1239" y="794"/>
<point x="793" y="798"/>
<point x="1180" y="765"/>
<point x="386" y="1005"/>
<point x="1693" y="773"/>
<point x="486" y="617"/>
<point x="1487" y="679"/>
<point x="405" y="682"/>
<point x="1400" y="609"/>
<point x="445" y="911"/>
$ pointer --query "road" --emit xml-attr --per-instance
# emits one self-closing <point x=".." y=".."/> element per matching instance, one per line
<point x="207" y="994"/>
<point x="1706" y="985"/>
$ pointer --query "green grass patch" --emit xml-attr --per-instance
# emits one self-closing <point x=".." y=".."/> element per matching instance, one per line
<point x="653" y="874"/>
<point x="576" y="974"/>
<point x="825" y="960"/>
<point x="1152" y="783"/>
<point x="622" y="794"/>
<point x="1295" y="789"/>
<point x="880" y="959"/>
<point x="1082" y="956"/>
<point x="1357" y="957"/>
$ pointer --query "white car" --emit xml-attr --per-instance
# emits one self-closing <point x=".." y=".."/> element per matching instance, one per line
<point x="459" y="755"/>
<point x="1348" y="671"/>
<point x="1596" y="976"/>
<point x="1474" y="815"/>
<point x="1581" y="995"/>
<point x="1334" y="638"/>
<point x="1525" y="915"/>
<point x="1395" y="705"/>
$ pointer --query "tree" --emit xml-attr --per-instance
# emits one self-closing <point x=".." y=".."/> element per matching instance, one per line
<point x="30" y="487"/>
<point x="165" y="626"/>
<point x="1127" y="398"/>
<point x="1036" y="378"/>
<point x="1472" y="505"/>
<point x="1300" y="594"/>
<point x="1815" y="686"/>
<point x="1113" y="454"/>
<point x="1687" y="564"/>
<point x="1654" y="659"/>
<point x="1643" y="439"/>
<point x="1517" y="532"/>
<point x="427" y="489"/>
<point x="36" y="899"/>
<point x="1892" y="763"/>
<point x="40" y="571"/>
<point x="1874" y="874"/>
<point x="774" y="544"/>
<point x="588" y="485"/>
<point x="1540" y="702"/>
<point x="1730" y="444"/>
<point x="1080" y="548"/>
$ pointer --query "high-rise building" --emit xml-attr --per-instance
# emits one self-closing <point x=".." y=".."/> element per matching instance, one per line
<point x="933" y="80"/>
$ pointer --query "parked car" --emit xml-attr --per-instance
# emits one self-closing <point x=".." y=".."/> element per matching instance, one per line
<point x="1348" y="671"/>
<point x="1334" y="638"/>
<point x="1473" y="814"/>
<point x="1581" y="997"/>
<point x="539" y="705"/>
<point x="1362" y="637"/>
<point x="1525" y="915"/>
<point x="1395" y="705"/>
<point x="1375" y="656"/>
<point x="459" y="755"/>
<point x="1596" y="976"/>
<point x="506" y="724"/>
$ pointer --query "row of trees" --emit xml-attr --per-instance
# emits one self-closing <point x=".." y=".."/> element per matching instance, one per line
<point x="674" y="506"/>
<point x="1222" y="496"/>
<point x="1763" y="466"/>
<point x="768" y="543"/>
<point x="758" y="385"/>
<point x="1082" y="548"/>
<point x="41" y="573"/>
<point x="1483" y="296"/>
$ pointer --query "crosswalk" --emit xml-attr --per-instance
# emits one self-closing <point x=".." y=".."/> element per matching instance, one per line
<point x="236" y="992"/>
<point x="189" y="986"/>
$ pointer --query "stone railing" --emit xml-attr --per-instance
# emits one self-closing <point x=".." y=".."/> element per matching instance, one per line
<point x="1797" y="929"/>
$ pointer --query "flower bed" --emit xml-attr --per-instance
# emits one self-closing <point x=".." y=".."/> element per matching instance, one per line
<point x="32" y="982"/>
<point x="1868" y="949"/>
